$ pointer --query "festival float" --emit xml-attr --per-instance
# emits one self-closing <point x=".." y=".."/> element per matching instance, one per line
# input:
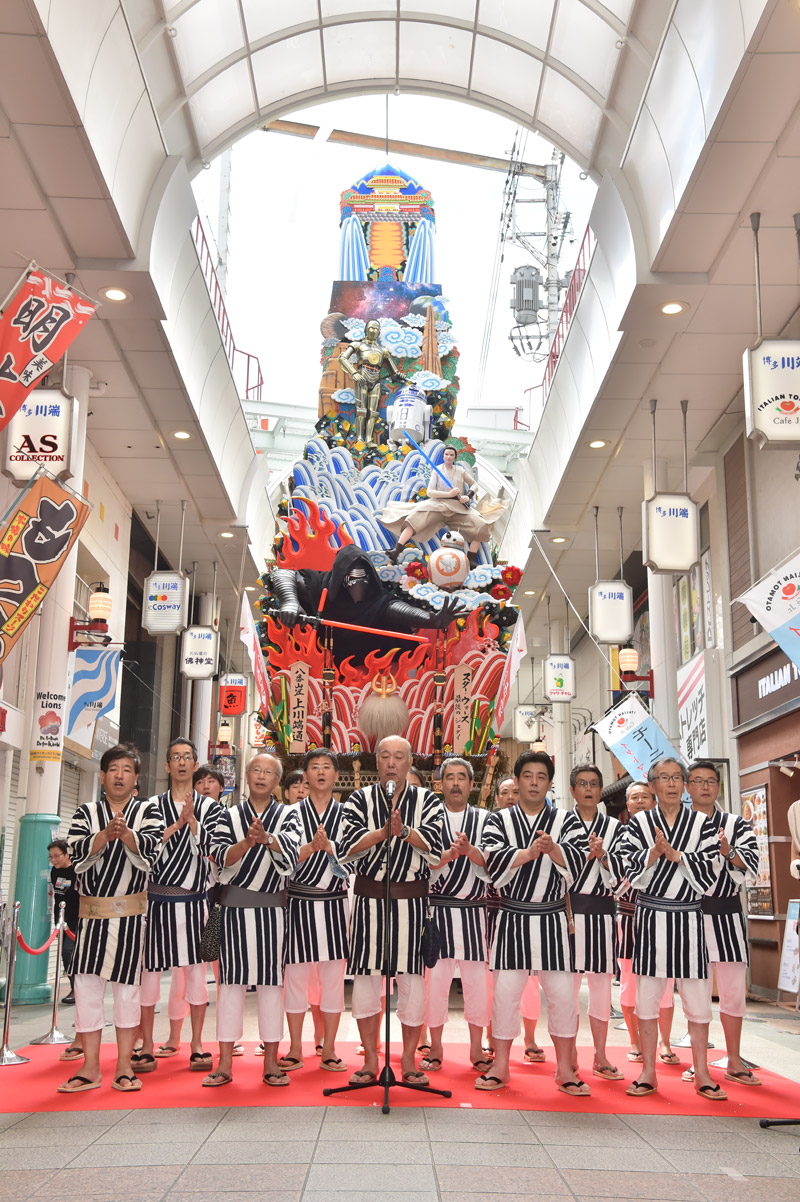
<point x="385" y="609"/>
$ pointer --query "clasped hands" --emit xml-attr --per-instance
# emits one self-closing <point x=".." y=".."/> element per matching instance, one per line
<point x="255" y="833"/>
<point x="116" y="829"/>
<point x="321" y="842"/>
<point x="543" y="845"/>
<point x="662" y="848"/>
<point x="596" y="847"/>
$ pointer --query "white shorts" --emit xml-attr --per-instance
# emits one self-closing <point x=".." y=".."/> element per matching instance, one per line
<point x="368" y="991"/>
<point x="731" y="976"/>
<point x="475" y="983"/>
<point x="559" y="993"/>
<point x="90" y="991"/>
<point x="599" y="994"/>
<point x="326" y="977"/>
<point x="187" y="987"/>
<point x="230" y="1012"/>
<point x="694" y="994"/>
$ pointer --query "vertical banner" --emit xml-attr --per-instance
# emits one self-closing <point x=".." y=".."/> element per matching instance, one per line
<point x="298" y="706"/>
<point x="38" y="325"/>
<point x="249" y="636"/>
<point x="632" y="735"/>
<point x="462" y="703"/>
<point x="775" y="603"/>
<point x="693" y="709"/>
<point x="37" y="535"/>
<point x="517" y="648"/>
<point x="92" y="690"/>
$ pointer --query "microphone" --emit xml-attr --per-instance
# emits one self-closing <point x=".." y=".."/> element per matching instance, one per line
<point x="389" y="790"/>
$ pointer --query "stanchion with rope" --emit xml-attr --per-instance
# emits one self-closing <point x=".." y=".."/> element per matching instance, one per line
<point x="54" y="1035"/>
<point x="7" y="1056"/>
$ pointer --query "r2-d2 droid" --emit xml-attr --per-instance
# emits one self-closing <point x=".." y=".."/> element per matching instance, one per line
<point x="409" y="411"/>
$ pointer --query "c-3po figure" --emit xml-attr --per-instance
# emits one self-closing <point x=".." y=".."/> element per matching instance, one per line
<point x="362" y="361"/>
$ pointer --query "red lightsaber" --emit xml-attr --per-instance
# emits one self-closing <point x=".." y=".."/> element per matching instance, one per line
<point x="392" y="634"/>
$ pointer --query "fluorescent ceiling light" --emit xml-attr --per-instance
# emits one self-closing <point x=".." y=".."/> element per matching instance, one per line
<point x="118" y="295"/>
<point x="673" y="307"/>
<point x="182" y="434"/>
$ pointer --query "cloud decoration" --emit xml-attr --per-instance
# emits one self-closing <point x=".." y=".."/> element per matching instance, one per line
<point x="428" y="381"/>
<point x="401" y="340"/>
<point x="344" y="396"/>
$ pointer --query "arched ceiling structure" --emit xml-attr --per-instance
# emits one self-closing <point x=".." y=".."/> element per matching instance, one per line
<point x="572" y="69"/>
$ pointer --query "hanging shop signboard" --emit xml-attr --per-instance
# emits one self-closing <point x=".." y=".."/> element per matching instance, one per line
<point x="526" y="723"/>
<point x="199" y="652"/>
<point x="693" y="709"/>
<point x="40" y="432"/>
<point x="772" y="393"/>
<point x="165" y="605"/>
<point x="559" y="678"/>
<point x="232" y="694"/>
<point x="611" y="611"/>
<point x="670" y="533"/>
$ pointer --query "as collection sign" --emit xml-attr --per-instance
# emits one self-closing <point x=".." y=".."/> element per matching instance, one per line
<point x="40" y="432"/>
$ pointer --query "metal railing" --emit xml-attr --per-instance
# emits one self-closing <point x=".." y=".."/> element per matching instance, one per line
<point x="245" y="367"/>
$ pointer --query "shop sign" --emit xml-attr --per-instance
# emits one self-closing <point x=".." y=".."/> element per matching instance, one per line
<point x="40" y="432"/>
<point x="754" y="811"/>
<point x="106" y="736"/>
<point x="47" y="727"/>
<point x="611" y="611"/>
<point x="257" y="732"/>
<point x="693" y="709"/>
<point x="199" y="652"/>
<point x="232" y="694"/>
<point x="670" y="533"/>
<point x="526" y="723"/>
<point x="772" y="393"/>
<point x="165" y="605"/>
<point x="764" y="686"/>
<point x="708" y="600"/>
<point x="559" y="678"/>
<point x="775" y="603"/>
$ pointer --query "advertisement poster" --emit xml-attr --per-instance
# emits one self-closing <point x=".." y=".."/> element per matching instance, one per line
<point x="754" y="810"/>
<point x="789" y="973"/>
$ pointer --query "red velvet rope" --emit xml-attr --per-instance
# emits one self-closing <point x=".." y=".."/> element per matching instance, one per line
<point x="36" y="951"/>
<point x="68" y="932"/>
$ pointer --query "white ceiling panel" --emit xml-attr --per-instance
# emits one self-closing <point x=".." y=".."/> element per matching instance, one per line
<point x="586" y="44"/>
<point x="293" y="65"/>
<point x="434" y="53"/>
<point x="266" y="17"/>
<point x="569" y="113"/>
<point x="206" y="34"/>
<point x="223" y="103"/>
<point x="348" y="47"/>
<point x="524" y="21"/>
<point x="507" y="74"/>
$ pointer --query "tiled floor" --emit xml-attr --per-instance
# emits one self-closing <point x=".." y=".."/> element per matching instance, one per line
<point x="321" y="1154"/>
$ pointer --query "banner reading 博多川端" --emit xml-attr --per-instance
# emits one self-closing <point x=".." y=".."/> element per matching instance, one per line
<point x="93" y="687"/>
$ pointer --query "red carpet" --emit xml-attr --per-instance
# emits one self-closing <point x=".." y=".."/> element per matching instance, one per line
<point x="32" y="1087"/>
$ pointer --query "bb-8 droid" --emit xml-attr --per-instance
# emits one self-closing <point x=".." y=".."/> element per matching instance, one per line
<point x="448" y="566"/>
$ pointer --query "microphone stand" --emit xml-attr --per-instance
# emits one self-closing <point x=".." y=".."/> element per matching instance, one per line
<point x="386" y="1079"/>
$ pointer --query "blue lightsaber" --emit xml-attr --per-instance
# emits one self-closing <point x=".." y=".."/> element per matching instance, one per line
<point x="441" y="475"/>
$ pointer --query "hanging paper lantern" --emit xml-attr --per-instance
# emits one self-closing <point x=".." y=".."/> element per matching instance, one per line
<point x="628" y="659"/>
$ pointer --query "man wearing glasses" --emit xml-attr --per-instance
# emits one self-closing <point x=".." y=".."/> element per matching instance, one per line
<point x="255" y="848"/>
<point x="177" y="912"/>
<point x="670" y="855"/>
<point x="594" y="912"/>
<point x="723" y="917"/>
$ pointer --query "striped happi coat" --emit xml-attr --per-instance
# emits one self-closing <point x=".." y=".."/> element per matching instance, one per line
<point x="462" y="929"/>
<point x="175" y="926"/>
<point x="534" y="941"/>
<point x="726" y="934"/>
<point x="251" y="948"/>
<point x="317" y="927"/>
<point x="112" y="948"/>
<point x="594" y="943"/>
<point x="626" y="908"/>
<point x="367" y="810"/>
<point x="668" y="938"/>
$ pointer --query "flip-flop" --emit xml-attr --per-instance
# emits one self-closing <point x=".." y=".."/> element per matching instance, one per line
<point x="73" y="1053"/>
<point x="288" y="1064"/>
<point x="200" y="1061"/>
<point x="669" y="1057"/>
<point x="415" y="1077"/>
<point x="85" y="1084"/>
<point x="276" y="1079"/>
<point x="238" y="1049"/>
<point x="258" y="1050"/>
<point x="712" y="1093"/>
<point x="165" y="1051"/>
<point x="424" y="1048"/>
<point x="482" y="1066"/>
<point x="688" y="1075"/>
<point x="134" y="1087"/>
<point x="143" y="1062"/>
<point x="215" y="1080"/>
<point x="636" y="1057"/>
<point x="641" y="1089"/>
<point x="534" y="1056"/>
<point x="743" y="1078"/>
<point x="569" y="1088"/>
<point x="363" y="1076"/>
<point x="609" y="1073"/>
<point x="317" y="1049"/>
<point x="430" y="1064"/>
<point x="332" y="1064"/>
<point x="486" y="1082"/>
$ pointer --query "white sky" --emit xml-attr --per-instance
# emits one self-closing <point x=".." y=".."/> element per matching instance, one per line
<point x="284" y="235"/>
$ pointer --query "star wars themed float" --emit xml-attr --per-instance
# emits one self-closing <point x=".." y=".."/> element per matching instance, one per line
<point x="385" y="610"/>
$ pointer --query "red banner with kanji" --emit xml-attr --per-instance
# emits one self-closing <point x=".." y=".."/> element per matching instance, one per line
<point x="38" y="324"/>
<point x="37" y="535"/>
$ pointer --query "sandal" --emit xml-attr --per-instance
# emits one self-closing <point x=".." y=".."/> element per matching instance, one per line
<point x="744" y="1078"/>
<point x="200" y="1061"/>
<point x="486" y="1083"/>
<point x="332" y="1064"/>
<point x="83" y="1085"/>
<point x="363" y="1076"/>
<point x="669" y="1057"/>
<point x="415" y="1077"/>
<point x="482" y="1066"/>
<point x="430" y="1064"/>
<point x="609" y="1072"/>
<point x="635" y="1057"/>
<point x="641" y="1089"/>
<point x="573" y="1089"/>
<point x="238" y="1049"/>
<point x="275" y="1079"/>
<point x="134" y="1087"/>
<point x="688" y="1075"/>
<point x="75" y="1052"/>
<point x="317" y="1049"/>
<point x="143" y="1062"/>
<point x="534" y="1056"/>
<point x="712" y="1093"/>
<point x="424" y="1048"/>
<point x="165" y="1051"/>
<point x="214" y="1080"/>
<point x="288" y="1064"/>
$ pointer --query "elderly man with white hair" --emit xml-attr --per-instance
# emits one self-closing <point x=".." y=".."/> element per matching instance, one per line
<point x="404" y="823"/>
<point x="255" y="848"/>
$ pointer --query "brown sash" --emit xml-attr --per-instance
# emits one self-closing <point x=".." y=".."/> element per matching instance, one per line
<point x="365" y="886"/>
<point x="125" y="906"/>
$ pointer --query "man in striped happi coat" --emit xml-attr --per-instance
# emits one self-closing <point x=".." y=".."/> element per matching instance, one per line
<point x="458" y="892"/>
<point x="534" y="852"/>
<point x="113" y="844"/>
<point x="318" y="914"/>
<point x="594" y="912"/>
<point x="177" y="912"/>
<point x="404" y="821"/>
<point x="723" y="916"/>
<point x="638" y="797"/>
<point x="670" y="856"/>
<point x="255" y="847"/>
